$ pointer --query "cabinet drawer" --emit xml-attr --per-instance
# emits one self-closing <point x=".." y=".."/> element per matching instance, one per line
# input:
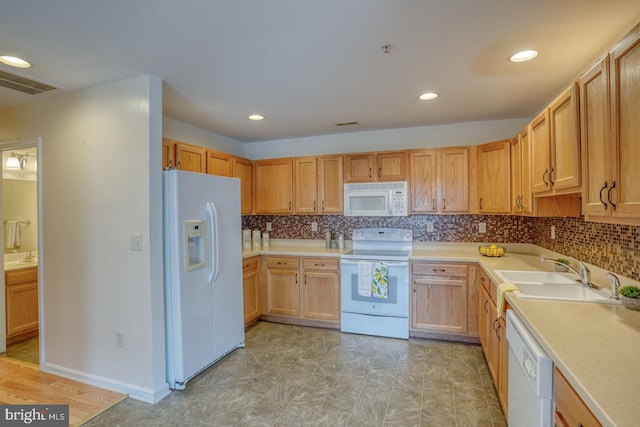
<point x="21" y="276"/>
<point x="427" y="269"/>
<point x="570" y="409"/>
<point x="283" y="262"/>
<point x="320" y="264"/>
<point x="249" y="264"/>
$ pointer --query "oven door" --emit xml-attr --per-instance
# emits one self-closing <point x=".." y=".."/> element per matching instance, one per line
<point x="397" y="303"/>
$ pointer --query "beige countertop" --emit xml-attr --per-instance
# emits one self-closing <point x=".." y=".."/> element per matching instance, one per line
<point x="594" y="345"/>
<point x="16" y="261"/>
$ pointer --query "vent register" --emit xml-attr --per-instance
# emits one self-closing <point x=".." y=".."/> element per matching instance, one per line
<point x="23" y="84"/>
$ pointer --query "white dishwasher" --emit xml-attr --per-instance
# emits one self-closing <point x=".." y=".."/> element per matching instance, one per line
<point x="530" y="378"/>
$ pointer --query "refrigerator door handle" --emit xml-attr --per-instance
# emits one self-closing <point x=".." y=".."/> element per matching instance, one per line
<point x="212" y="212"/>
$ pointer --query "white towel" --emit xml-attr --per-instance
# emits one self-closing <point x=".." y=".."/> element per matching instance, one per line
<point x="365" y="274"/>
<point x="13" y="234"/>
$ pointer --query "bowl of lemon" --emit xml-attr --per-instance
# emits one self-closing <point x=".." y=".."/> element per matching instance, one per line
<point x="492" y="250"/>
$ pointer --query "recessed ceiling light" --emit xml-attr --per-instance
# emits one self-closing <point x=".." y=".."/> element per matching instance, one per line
<point x="523" y="56"/>
<point x="256" y="117"/>
<point x="428" y="96"/>
<point x="14" y="62"/>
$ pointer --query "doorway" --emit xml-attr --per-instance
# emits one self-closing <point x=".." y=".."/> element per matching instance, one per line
<point x="20" y="336"/>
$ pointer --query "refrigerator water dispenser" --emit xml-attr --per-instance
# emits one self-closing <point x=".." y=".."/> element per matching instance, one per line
<point x="194" y="241"/>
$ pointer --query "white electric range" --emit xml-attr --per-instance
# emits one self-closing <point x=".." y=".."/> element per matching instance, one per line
<point x="380" y="308"/>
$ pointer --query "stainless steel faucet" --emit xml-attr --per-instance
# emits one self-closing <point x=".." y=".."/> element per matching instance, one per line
<point x="584" y="273"/>
<point x="615" y="285"/>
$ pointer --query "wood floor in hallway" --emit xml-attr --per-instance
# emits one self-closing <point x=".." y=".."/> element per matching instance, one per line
<point x="22" y="383"/>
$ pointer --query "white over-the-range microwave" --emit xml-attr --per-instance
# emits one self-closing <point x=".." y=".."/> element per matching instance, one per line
<point x="376" y="199"/>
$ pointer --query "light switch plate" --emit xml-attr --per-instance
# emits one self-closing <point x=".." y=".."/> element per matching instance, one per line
<point x="429" y="227"/>
<point x="482" y="227"/>
<point x="135" y="242"/>
<point x="314" y="226"/>
<point x="268" y="226"/>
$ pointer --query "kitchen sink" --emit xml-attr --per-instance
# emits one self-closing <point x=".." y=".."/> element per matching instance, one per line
<point x="553" y="286"/>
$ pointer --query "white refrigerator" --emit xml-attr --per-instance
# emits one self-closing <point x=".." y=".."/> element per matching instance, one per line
<point x="204" y="307"/>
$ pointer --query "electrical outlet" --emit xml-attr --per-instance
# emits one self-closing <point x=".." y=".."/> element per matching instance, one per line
<point x="268" y="226"/>
<point x="553" y="231"/>
<point x="482" y="227"/>
<point x="314" y="226"/>
<point x="119" y="339"/>
<point x="429" y="227"/>
<point x="135" y="242"/>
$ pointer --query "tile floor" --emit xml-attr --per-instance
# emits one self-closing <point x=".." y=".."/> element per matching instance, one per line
<point x="297" y="376"/>
<point x="27" y="350"/>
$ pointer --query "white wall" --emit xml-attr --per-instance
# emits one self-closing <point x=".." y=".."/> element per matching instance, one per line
<point x="472" y="133"/>
<point x="100" y="182"/>
<point x="181" y="131"/>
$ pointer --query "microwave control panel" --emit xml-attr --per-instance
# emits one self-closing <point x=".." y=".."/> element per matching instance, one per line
<point x="398" y="202"/>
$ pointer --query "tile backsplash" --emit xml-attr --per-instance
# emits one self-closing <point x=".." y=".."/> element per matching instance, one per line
<point x="609" y="246"/>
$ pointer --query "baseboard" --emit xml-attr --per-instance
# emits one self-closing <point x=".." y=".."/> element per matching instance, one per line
<point x="133" y="391"/>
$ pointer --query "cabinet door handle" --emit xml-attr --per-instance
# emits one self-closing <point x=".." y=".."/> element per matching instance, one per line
<point x="605" y="185"/>
<point x="379" y="172"/>
<point x="179" y="164"/>
<point x="613" y="205"/>
<point x="433" y="204"/>
<point x="314" y="205"/>
<point x="497" y="329"/>
<point x="485" y="305"/>
<point x="369" y="173"/>
<point x="442" y="270"/>
<point x="444" y="204"/>
<point x="289" y="205"/>
<point x="319" y="265"/>
<point x="551" y="180"/>
<point x="323" y="205"/>
<point x="480" y="203"/>
<point x="296" y="278"/>
<point x="544" y="177"/>
<point x="305" y="279"/>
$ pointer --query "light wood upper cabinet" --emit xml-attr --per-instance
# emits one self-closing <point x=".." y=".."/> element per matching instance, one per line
<point x="306" y="185"/>
<point x="610" y="131"/>
<point x="391" y="166"/>
<point x="330" y="184"/>
<point x="424" y="181"/>
<point x="191" y="157"/>
<point x="453" y="185"/>
<point x="218" y="163"/>
<point x="540" y="153"/>
<point x="555" y="147"/>
<point x="274" y="186"/>
<point x="521" y="194"/>
<point x="565" y="143"/>
<point x="439" y="180"/>
<point x="359" y="167"/>
<point x="318" y="185"/>
<point x="168" y="153"/>
<point x="494" y="177"/>
<point x="243" y="169"/>
<point x="383" y="166"/>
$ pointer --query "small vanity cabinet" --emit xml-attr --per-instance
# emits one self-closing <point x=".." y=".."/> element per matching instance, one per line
<point x="21" y="292"/>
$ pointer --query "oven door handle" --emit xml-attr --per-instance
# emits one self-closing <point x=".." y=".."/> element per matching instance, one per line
<point x="393" y="263"/>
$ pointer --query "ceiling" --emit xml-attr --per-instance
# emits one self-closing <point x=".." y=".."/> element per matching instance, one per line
<point x="307" y="65"/>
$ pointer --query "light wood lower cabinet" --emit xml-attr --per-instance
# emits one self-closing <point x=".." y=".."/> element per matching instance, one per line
<point x="441" y="301"/>
<point x="303" y="290"/>
<point x="570" y="409"/>
<point x="21" y="293"/>
<point x="251" y="288"/>
<point x="321" y="289"/>
<point x="283" y="290"/>
<point x="493" y="337"/>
